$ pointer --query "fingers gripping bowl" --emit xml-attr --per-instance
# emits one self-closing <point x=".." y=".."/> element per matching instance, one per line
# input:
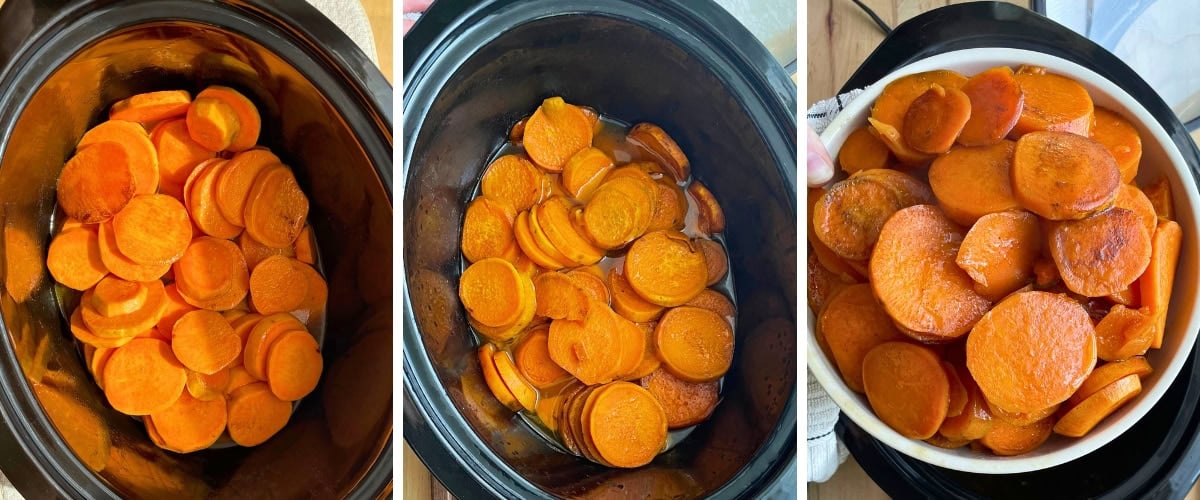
<point x="1160" y="159"/>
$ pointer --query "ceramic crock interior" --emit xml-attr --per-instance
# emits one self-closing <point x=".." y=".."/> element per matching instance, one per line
<point x="633" y="74"/>
<point x="338" y="431"/>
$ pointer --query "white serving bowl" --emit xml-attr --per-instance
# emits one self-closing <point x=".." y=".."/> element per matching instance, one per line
<point x="1159" y="157"/>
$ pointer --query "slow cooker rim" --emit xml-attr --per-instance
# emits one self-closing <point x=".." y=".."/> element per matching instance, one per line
<point x="73" y="29"/>
<point x="463" y="469"/>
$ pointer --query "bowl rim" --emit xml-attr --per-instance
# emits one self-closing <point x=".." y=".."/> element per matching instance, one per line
<point x="853" y="405"/>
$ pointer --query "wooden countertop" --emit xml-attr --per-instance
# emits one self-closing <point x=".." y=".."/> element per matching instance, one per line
<point x="840" y="37"/>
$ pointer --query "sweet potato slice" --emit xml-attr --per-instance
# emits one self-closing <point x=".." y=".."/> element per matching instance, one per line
<point x="999" y="252"/>
<point x="176" y="308"/>
<point x="1102" y="254"/>
<point x="1060" y="175"/>
<point x="152" y="229"/>
<point x="914" y="274"/>
<point x="177" y="153"/>
<point x="1131" y="198"/>
<point x="139" y="151"/>
<point x="1022" y="419"/>
<point x="255" y="414"/>
<point x="558" y="296"/>
<point x="81" y="333"/>
<point x="935" y="118"/>
<point x="208" y="387"/>
<point x="1159" y="193"/>
<point x="714" y="301"/>
<point x="491" y="290"/>
<point x="665" y="268"/>
<point x="626" y="425"/>
<point x="254" y="251"/>
<point x="685" y="403"/>
<point x="715" y="258"/>
<point x="276" y="207"/>
<point x="258" y="342"/>
<point x="710" y="219"/>
<point x="113" y="296"/>
<point x="1158" y="280"/>
<point x="555" y="132"/>
<point x="143" y="377"/>
<point x="592" y="284"/>
<point x="663" y="147"/>
<point x="1053" y="103"/>
<point x="1089" y="412"/>
<point x="128" y="324"/>
<point x="524" y="238"/>
<point x="277" y="285"/>
<point x="190" y="424"/>
<point x="909" y="190"/>
<point x="863" y="151"/>
<point x="852" y="324"/>
<point x="305" y="247"/>
<point x="957" y="400"/>
<point x="670" y="206"/>
<point x="694" y="344"/>
<point x="891" y="136"/>
<point x="249" y="123"/>
<point x="151" y="107"/>
<point x="200" y="196"/>
<point x="487" y="365"/>
<point x="212" y="123"/>
<point x="122" y="266"/>
<point x="532" y="358"/>
<point x="975" y="420"/>
<point x="1121" y="139"/>
<point x="906" y="387"/>
<point x="972" y="182"/>
<point x="554" y="219"/>
<point x="628" y="303"/>
<point x="1124" y="333"/>
<point x="513" y="180"/>
<point x="584" y="172"/>
<point x="204" y="342"/>
<point x="96" y="183"/>
<point x="231" y="187"/>
<point x="619" y="212"/>
<point x="1005" y="351"/>
<point x="996" y="104"/>
<point x="543" y="241"/>
<point x="1006" y="439"/>
<point x="487" y="229"/>
<point x="74" y="258"/>
<point x="849" y="216"/>
<point x="206" y="269"/>
<point x="294" y="365"/>
<point x="587" y="349"/>
<point x="521" y="389"/>
<point x="1104" y="375"/>
<point x="312" y="309"/>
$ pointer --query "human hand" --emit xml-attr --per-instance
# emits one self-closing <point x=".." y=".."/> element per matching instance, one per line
<point x="820" y="166"/>
<point x="413" y="7"/>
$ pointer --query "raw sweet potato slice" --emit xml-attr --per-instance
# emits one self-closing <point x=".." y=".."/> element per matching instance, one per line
<point x="555" y="132"/>
<point x="935" y="118"/>
<point x="1106" y="374"/>
<point x="906" y="387"/>
<point x="143" y="377"/>
<point x="1121" y="139"/>
<point x="863" y="151"/>
<point x="258" y="342"/>
<point x="139" y="151"/>
<point x="655" y="139"/>
<point x="1060" y="175"/>
<point x="231" y="187"/>
<point x="996" y="104"/>
<point x="999" y="252"/>
<point x="972" y="182"/>
<point x="626" y="425"/>
<point x="532" y="357"/>
<point x="190" y="424"/>
<point x="521" y="389"/>
<point x="849" y="216"/>
<point x="212" y="123"/>
<point x="294" y="365"/>
<point x="204" y="342"/>
<point x="710" y="218"/>
<point x="152" y="229"/>
<point x="208" y="387"/>
<point x="74" y="258"/>
<point x="206" y="269"/>
<point x="685" y="403"/>
<point x="513" y="180"/>
<point x="81" y="333"/>
<point x="1052" y="103"/>
<point x="1124" y="333"/>
<point x="1006" y="351"/>
<point x="249" y="123"/>
<point x="853" y="323"/>
<point x="254" y="251"/>
<point x="1158" y="280"/>
<point x="665" y="268"/>
<point x="1102" y="254"/>
<point x="916" y="279"/>
<point x="96" y="183"/>
<point x="694" y="344"/>
<point x="1006" y="439"/>
<point x="558" y="296"/>
<point x="305" y="247"/>
<point x="151" y="107"/>
<point x="312" y="309"/>
<point x="255" y="414"/>
<point x="584" y="172"/>
<point x="276" y="207"/>
<point x="200" y="196"/>
<point x="176" y="307"/>
<point x="277" y="285"/>
<point x="1022" y="419"/>
<point x="177" y="153"/>
<point x="129" y="324"/>
<point x="586" y="348"/>
<point x="1084" y="416"/>
<point x="113" y="296"/>
<point x="122" y="266"/>
<point x="1159" y="193"/>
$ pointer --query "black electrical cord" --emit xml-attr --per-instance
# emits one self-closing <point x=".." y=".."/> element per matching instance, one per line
<point x="887" y="30"/>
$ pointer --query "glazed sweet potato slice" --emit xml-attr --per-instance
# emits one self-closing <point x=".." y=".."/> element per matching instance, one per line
<point x="1124" y="333"/>
<point x="909" y="190"/>
<point x="143" y="377"/>
<point x="524" y="238"/>
<point x="626" y="425"/>
<point x="1159" y="278"/>
<point x="1022" y="419"/>
<point x="521" y="389"/>
<point x="74" y="258"/>
<point x="628" y="303"/>
<point x="1104" y="375"/>
<point x="999" y="252"/>
<point x="1131" y="198"/>
<point x="555" y="132"/>
<point x="492" y="292"/>
<point x="231" y="187"/>
<point x="970" y="182"/>
<point x="591" y="283"/>
<point x="657" y="141"/>
<point x="277" y="285"/>
<point x="957" y="400"/>
<point x="670" y="206"/>
<point x="892" y="137"/>
<point x="714" y="301"/>
<point x="1089" y="412"/>
<point x="848" y="217"/>
<point x="152" y="229"/>
<point x="685" y="403"/>
<point x="906" y="387"/>
<point x="139" y="151"/>
<point x="935" y="118"/>
<point x="1006" y="439"/>
<point x="554" y="221"/>
<point x="665" y="268"/>
<point x="715" y="258"/>
<point x="916" y="279"/>
<point x="996" y="104"/>
<point x="190" y="424"/>
<point x="711" y="218"/>
<point x="975" y="420"/>
<point x="513" y="180"/>
<point x="177" y="153"/>
<point x="852" y="324"/>
<point x="532" y="357"/>
<point x="694" y="344"/>
<point x="255" y="414"/>
<point x="584" y="172"/>
<point x="891" y="105"/>
<point x="1005" y="351"/>
<point x="487" y="229"/>
<point x="863" y="151"/>
<point x="1159" y="193"/>
<point x="558" y="296"/>
<point x="249" y="123"/>
<point x="1052" y="103"/>
<point x="1060" y="175"/>
<point x="619" y="212"/>
<point x="151" y="107"/>
<point x="276" y="208"/>
<point x="487" y="365"/>
<point x="1102" y="254"/>
<point x="1121" y="139"/>
<point x="96" y="183"/>
<point x="587" y="349"/>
